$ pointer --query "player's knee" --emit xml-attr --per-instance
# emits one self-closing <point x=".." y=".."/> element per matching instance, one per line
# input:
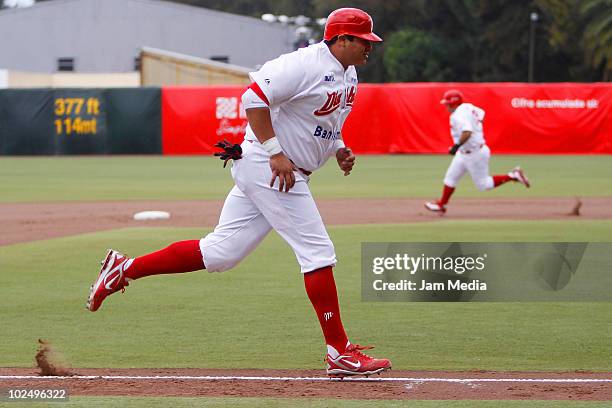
<point x="483" y="184"/>
<point x="451" y="182"/>
<point x="222" y="264"/>
<point x="320" y="256"/>
<point x="219" y="258"/>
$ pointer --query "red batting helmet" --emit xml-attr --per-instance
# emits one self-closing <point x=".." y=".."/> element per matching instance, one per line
<point x="350" y="21"/>
<point x="452" y="97"/>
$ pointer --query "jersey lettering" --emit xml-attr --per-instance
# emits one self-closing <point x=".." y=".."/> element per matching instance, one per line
<point x="350" y="95"/>
<point x="326" y="134"/>
<point x="331" y="104"/>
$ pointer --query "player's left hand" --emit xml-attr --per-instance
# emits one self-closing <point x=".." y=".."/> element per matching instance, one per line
<point x="230" y="151"/>
<point x="346" y="160"/>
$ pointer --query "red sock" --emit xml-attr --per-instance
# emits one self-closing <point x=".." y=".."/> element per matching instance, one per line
<point x="183" y="256"/>
<point x="321" y="290"/>
<point x="446" y="194"/>
<point x="501" y="179"/>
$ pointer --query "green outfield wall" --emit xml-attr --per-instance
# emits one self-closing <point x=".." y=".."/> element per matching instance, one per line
<point x="80" y="121"/>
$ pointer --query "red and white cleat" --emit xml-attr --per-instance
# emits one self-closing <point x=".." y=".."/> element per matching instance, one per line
<point x="519" y="175"/>
<point x="110" y="279"/>
<point x="353" y="362"/>
<point x="435" y="207"/>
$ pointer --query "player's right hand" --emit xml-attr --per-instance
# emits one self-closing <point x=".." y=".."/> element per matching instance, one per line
<point x="282" y="168"/>
<point x="346" y="160"/>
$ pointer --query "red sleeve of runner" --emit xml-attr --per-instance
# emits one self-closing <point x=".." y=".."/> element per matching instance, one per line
<point x="259" y="92"/>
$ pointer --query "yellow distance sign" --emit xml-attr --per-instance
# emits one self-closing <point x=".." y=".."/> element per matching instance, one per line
<point x="76" y="115"/>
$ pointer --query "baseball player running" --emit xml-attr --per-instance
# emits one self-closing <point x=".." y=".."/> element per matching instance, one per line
<point x="470" y="151"/>
<point x="296" y="106"/>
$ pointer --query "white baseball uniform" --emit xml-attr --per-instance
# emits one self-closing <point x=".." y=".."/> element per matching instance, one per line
<point x="473" y="156"/>
<point x="309" y="94"/>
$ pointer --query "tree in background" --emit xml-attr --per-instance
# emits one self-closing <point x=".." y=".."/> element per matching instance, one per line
<point x="416" y="56"/>
<point x="562" y="56"/>
<point x="489" y="41"/>
<point x="597" y="39"/>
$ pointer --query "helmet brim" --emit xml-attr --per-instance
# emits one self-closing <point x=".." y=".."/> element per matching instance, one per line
<point x="450" y="103"/>
<point x="369" y="37"/>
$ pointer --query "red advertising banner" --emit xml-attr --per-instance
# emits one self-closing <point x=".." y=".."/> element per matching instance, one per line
<point x="520" y="118"/>
<point x="408" y="118"/>
<point x="195" y="118"/>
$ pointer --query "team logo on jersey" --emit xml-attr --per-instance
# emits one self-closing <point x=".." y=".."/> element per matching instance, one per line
<point x="329" y="78"/>
<point x="350" y="95"/>
<point x="331" y="104"/>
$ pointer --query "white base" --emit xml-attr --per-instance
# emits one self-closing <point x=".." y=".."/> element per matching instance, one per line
<point x="151" y="215"/>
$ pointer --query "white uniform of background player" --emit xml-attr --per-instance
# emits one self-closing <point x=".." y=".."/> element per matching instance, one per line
<point x="470" y="150"/>
<point x="296" y="107"/>
<point x="473" y="155"/>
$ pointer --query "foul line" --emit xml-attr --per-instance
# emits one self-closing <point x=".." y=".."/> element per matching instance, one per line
<point x="247" y="378"/>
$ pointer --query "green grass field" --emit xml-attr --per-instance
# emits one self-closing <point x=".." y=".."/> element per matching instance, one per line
<point x="156" y="178"/>
<point x="258" y="316"/>
<point x="258" y="311"/>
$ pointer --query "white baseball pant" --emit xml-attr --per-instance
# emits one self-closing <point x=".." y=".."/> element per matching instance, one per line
<point x="476" y="163"/>
<point x="253" y="208"/>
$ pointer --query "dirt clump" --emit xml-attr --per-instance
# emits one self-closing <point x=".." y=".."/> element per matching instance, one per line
<point x="50" y="361"/>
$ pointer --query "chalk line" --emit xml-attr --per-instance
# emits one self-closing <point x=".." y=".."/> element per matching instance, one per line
<point x="254" y="378"/>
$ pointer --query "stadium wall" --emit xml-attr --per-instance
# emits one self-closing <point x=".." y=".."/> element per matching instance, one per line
<point x="566" y="118"/>
<point x="80" y="121"/>
<point x="561" y="118"/>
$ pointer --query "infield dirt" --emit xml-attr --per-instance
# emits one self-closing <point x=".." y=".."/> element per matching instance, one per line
<point x="415" y="389"/>
<point x="24" y="222"/>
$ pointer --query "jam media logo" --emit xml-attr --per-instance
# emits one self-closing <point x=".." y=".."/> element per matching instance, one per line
<point x="331" y="104"/>
<point x="350" y="95"/>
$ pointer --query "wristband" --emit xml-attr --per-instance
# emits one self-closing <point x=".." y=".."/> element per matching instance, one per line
<point x="272" y="146"/>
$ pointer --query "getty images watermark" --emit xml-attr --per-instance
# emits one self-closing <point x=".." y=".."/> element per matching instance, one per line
<point x="454" y="272"/>
<point x="412" y="265"/>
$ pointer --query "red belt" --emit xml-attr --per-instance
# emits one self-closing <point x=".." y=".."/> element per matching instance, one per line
<point x="472" y="151"/>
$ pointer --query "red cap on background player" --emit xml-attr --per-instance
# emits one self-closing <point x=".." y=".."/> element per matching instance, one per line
<point x="452" y="97"/>
<point x="350" y="21"/>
